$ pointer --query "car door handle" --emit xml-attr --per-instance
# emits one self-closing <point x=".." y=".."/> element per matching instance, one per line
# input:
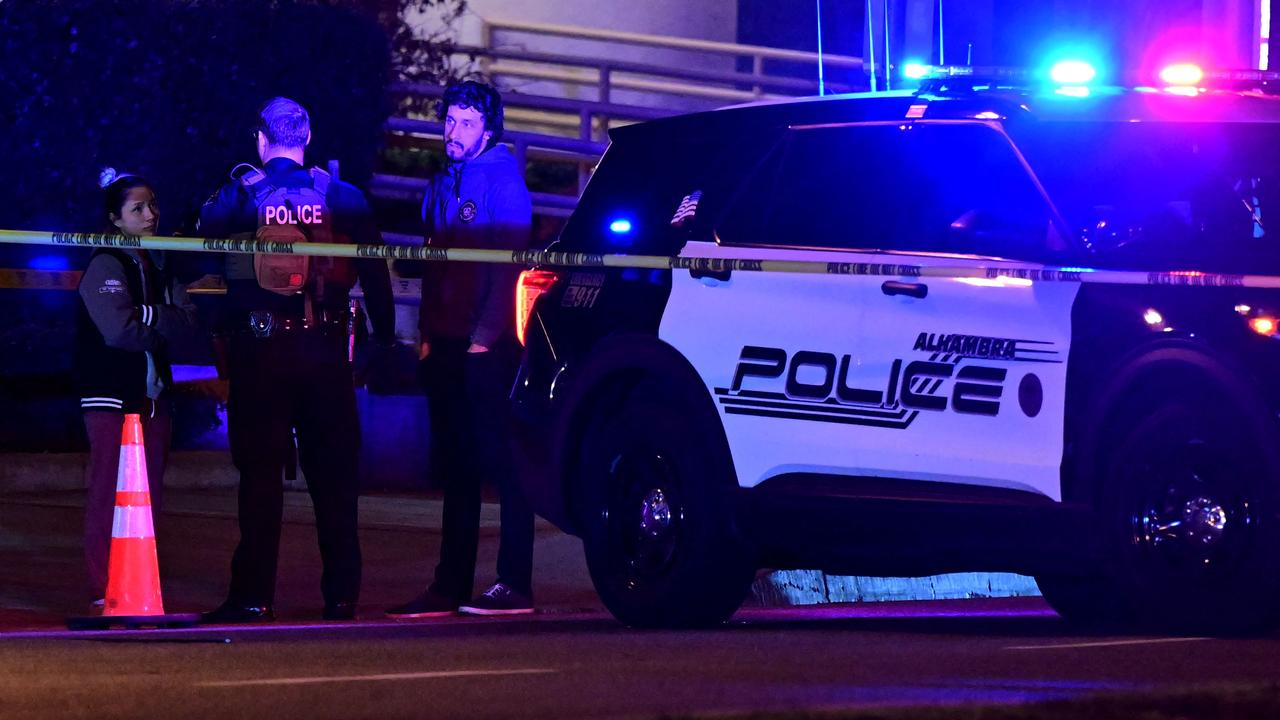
<point x="915" y="290"/>
<point x="721" y="275"/>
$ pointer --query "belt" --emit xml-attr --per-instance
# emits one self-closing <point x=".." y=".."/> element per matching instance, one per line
<point x="264" y="323"/>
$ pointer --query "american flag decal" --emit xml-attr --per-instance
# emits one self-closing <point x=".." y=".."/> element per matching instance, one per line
<point x="688" y="208"/>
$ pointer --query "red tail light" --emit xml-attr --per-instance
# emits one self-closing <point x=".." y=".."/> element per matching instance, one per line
<point x="531" y="285"/>
<point x="1264" y="325"/>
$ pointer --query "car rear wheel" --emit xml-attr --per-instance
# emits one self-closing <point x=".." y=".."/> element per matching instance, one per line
<point x="655" y="501"/>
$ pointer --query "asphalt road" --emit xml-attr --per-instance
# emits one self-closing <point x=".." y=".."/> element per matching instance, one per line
<point x="584" y="665"/>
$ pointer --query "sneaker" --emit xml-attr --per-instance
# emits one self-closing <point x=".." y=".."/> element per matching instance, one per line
<point x="97" y="606"/>
<point x="426" y="605"/>
<point x="499" y="599"/>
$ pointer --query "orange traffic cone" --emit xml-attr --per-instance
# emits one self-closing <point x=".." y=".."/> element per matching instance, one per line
<point x="133" y="574"/>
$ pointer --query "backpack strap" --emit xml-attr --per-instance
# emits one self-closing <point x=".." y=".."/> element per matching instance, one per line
<point x="320" y="181"/>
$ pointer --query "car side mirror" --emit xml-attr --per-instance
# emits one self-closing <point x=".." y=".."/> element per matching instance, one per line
<point x="968" y="222"/>
<point x="984" y="233"/>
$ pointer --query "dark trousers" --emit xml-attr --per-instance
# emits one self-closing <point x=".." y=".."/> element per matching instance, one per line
<point x="467" y="396"/>
<point x="298" y="380"/>
<point x="104" y="430"/>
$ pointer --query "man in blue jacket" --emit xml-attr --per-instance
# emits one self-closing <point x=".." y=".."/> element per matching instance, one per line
<point x="468" y="356"/>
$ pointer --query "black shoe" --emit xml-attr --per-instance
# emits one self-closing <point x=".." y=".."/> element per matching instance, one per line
<point x="426" y="605"/>
<point x="229" y="613"/>
<point x="499" y="599"/>
<point x="340" y="611"/>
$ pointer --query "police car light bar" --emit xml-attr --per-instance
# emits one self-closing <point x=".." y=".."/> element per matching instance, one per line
<point x="1076" y="73"/>
<point x="1220" y="78"/>
<point x="1073" y="72"/>
<point x="940" y="79"/>
<point x="1182" y="74"/>
<point x="993" y="72"/>
<point x="914" y="71"/>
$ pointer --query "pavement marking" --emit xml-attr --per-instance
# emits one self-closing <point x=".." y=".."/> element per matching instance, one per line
<point x="364" y="678"/>
<point x="1108" y="643"/>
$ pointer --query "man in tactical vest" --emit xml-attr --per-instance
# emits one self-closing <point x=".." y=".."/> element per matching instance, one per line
<point x="286" y="323"/>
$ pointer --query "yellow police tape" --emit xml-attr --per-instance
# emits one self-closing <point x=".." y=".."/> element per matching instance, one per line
<point x="653" y="262"/>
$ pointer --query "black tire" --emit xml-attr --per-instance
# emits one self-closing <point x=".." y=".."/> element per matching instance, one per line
<point x="655" y="504"/>
<point x="1190" y="505"/>
<point x="1087" y="601"/>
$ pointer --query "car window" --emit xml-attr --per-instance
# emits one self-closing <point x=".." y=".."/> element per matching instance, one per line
<point x="666" y="187"/>
<point x="1202" y="196"/>
<point x="952" y="188"/>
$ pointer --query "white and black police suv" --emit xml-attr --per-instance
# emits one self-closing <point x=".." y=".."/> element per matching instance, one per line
<point x="1108" y="426"/>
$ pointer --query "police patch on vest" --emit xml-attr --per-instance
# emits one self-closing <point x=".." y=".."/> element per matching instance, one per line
<point x="467" y="212"/>
<point x="309" y="214"/>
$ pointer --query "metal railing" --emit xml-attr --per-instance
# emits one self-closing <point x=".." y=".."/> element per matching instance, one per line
<point x="698" y="83"/>
<point x="606" y="74"/>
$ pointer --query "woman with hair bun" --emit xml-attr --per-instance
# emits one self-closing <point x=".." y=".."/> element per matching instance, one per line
<point x="130" y="312"/>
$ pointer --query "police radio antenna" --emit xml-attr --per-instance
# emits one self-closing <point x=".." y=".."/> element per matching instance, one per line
<point x="888" y="60"/>
<point x="871" y="47"/>
<point x="822" y="84"/>
<point x="942" y="56"/>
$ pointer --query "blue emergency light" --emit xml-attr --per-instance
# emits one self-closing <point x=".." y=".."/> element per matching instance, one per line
<point x="1072" y="72"/>
<point x="915" y="70"/>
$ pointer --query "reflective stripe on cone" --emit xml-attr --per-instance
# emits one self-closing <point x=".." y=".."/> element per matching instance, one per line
<point x="133" y="523"/>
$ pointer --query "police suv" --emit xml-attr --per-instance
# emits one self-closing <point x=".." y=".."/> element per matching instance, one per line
<point x="1045" y="342"/>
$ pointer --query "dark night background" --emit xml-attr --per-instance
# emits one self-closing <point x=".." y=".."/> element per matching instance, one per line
<point x="168" y="90"/>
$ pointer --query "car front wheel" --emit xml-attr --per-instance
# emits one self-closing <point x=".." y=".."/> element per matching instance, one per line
<point x="655" y="501"/>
